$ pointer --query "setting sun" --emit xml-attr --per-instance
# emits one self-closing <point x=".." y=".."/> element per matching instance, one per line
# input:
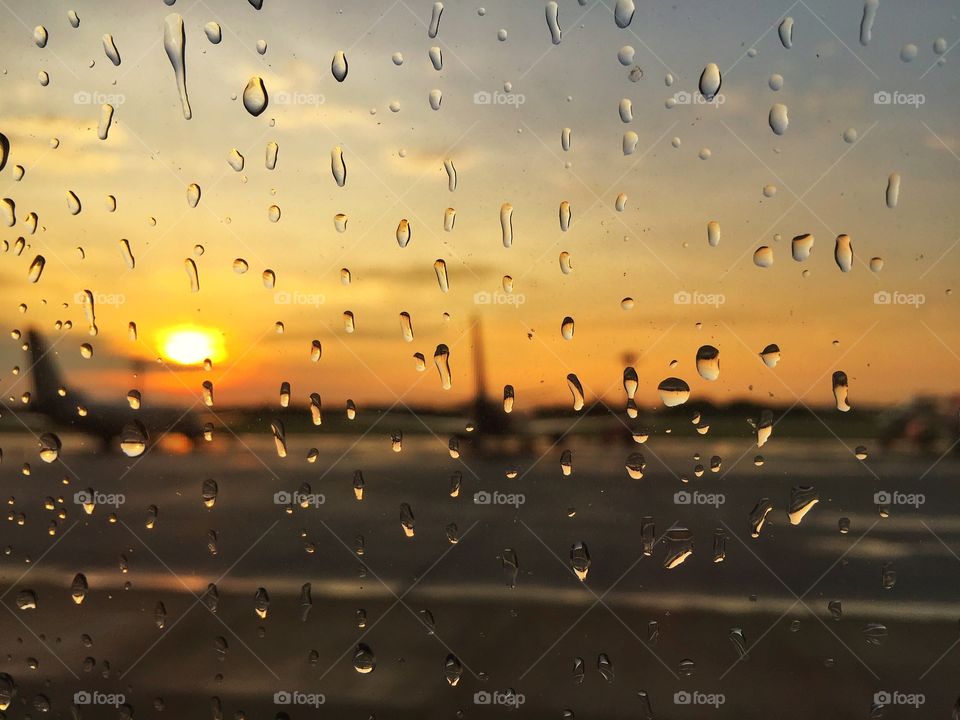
<point x="191" y="345"/>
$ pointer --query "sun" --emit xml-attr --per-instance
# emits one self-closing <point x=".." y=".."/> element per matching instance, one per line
<point x="191" y="345"/>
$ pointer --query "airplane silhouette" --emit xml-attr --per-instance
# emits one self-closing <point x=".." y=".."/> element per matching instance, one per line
<point x="106" y="422"/>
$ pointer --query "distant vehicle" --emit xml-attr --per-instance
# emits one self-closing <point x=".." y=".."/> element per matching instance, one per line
<point x="107" y="422"/>
<point x="928" y="424"/>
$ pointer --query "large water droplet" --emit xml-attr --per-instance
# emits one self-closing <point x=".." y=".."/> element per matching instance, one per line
<point x="708" y="362"/>
<point x="843" y="253"/>
<point x="893" y="189"/>
<point x="441" y="358"/>
<point x="110" y="48"/>
<point x="339" y="67"/>
<point x="779" y="119"/>
<point x="673" y="392"/>
<point x="174" y="42"/>
<point x="255" y="98"/>
<point x="710" y="81"/>
<point x="553" y="22"/>
<point x="623" y="13"/>
<point x="337" y="166"/>
<point x="785" y="31"/>
<point x="866" y="23"/>
<point x="840" y="390"/>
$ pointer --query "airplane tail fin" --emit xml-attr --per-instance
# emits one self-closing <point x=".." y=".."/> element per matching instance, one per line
<point x="47" y="381"/>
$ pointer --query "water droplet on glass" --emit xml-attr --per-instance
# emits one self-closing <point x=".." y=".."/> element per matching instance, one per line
<point x="255" y="98"/>
<point x="174" y="42"/>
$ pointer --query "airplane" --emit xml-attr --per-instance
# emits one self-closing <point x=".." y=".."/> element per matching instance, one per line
<point x="106" y="422"/>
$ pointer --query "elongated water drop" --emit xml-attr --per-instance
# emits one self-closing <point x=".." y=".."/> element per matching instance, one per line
<point x="403" y="233"/>
<point x="273" y="151"/>
<point x="866" y="23"/>
<point x="40" y="36"/>
<point x="441" y="358"/>
<point x="565" y="265"/>
<point x="110" y="48"/>
<point x="174" y="42"/>
<point x="73" y="203"/>
<point x="623" y="13"/>
<point x="337" y="166"/>
<point x="580" y="560"/>
<point x="407" y="521"/>
<point x="801" y="246"/>
<point x="191" y="268"/>
<point x="553" y="22"/>
<point x="566" y="328"/>
<point x="436" y="58"/>
<point x="106" y="118"/>
<point x="36" y="268"/>
<point x="843" y="253"/>
<point x="840" y="390"/>
<point x="576" y="389"/>
<point x="710" y="81"/>
<point x="779" y="119"/>
<point x="255" y="98"/>
<point x="509" y="398"/>
<point x="434" y="26"/>
<point x="9" y="209"/>
<point x="785" y="30"/>
<point x="451" y="174"/>
<point x="213" y="32"/>
<point x="713" y="233"/>
<point x="708" y="362"/>
<point x="339" y="67"/>
<point x="620" y="203"/>
<point x="279" y="437"/>
<point x="406" y="326"/>
<point x="630" y="140"/>
<point x="506" y="224"/>
<point x="626" y="110"/>
<point x="893" y="189"/>
<point x="449" y="219"/>
<point x="565" y="215"/>
<point x="440" y="267"/>
<point x="127" y="254"/>
<point x="193" y="195"/>
<point x="802" y="500"/>
<point x="565" y="138"/>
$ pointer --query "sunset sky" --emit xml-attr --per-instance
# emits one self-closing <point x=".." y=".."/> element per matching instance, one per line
<point x="507" y="151"/>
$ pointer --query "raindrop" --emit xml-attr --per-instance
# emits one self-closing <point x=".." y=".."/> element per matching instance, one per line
<point x="436" y="58"/>
<point x="403" y="233"/>
<point x="713" y="233"/>
<point x="623" y="13"/>
<point x="758" y="516"/>
<point x="36" y="268"/>
<point x="435" y="98"/>
<point x="775" y="82"/>
<point x="565" y="215"/>
<point x="626" y="110"/>
<point x="174" y="42"/>
<point x="786" y="32"/>
<point x="193" y="195"/>
<point x="506" y="224"/>
<point x="106" y="117"/>
<point x="802" y="500"/>
<point x="566" y="328"/>
<point x="214" y="34"/>
<point x="779" y="120"/>
<point x="133" y="439"/>
<point x="440" y="267"/>
<point x="191" y="268"/>
<point x="255" y="96"/>
<point x="339" y="66"/>
<point x="451" y="174"/>
<point x="866" y="23"/>
<point x="801" y="246"/>
<point x="580" y="562"/>
<point x="710" y="81"/>
<point x="434" y="26"/>
<point x="908" y="53"/>
<point x="441" y="358"/>
<point x="553" y="23"/>
<point x="407" y="521"/>
<point x="364" y="660"/>
<point x="708" y="362"/>
<point x="630" y="140"/>
<point x="73" y="203"/>
<point x="843" y="253"/>
<point x="893" y="189"/>
<point x="110" y="48"/>
<point x="337" y="166"/>
<point x="840" y="389"/>
<point x="576" y="389"/>
<point x="673" y="392"/>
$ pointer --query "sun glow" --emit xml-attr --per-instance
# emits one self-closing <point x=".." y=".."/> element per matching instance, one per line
<point x="191" y="345"/>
